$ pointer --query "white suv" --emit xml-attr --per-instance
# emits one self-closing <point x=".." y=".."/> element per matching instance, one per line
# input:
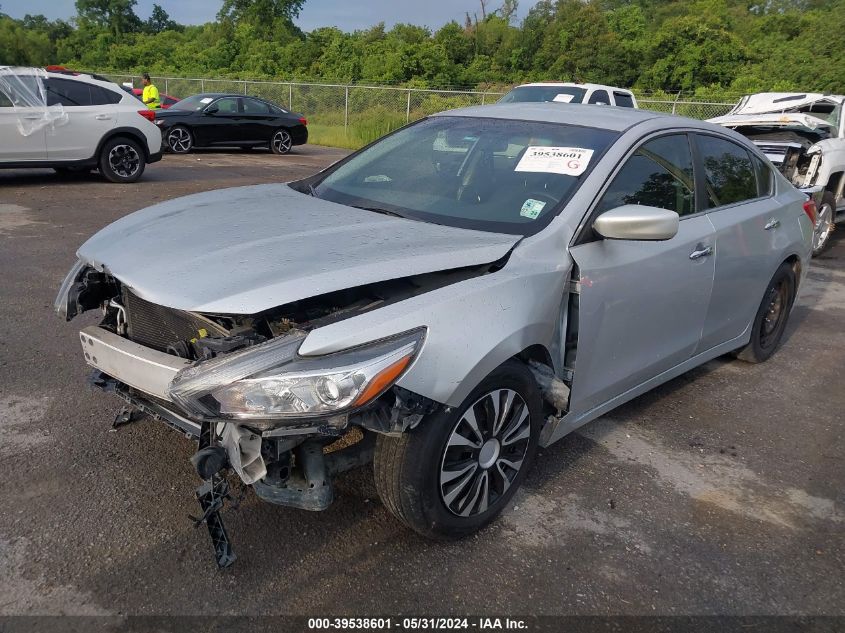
<point x="74" y="122"/>
<point x="567" y="92"/>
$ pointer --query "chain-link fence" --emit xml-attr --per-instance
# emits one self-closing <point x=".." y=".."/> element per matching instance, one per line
<point x="353" y="115"/>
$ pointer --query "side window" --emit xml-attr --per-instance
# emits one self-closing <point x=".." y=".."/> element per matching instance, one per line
<point x="4" y="101"/>
<point x="600" y="96"/>
<point x="104" y="96"/>
<point x="728" y="171"/>
<point x="659" y="174"/>
<point x="764" y="177"/>
<point x="251" y="106"/>
<point x="227" y="105"/>
<point x="623" y="99"/>
<point x="67" y="93"/>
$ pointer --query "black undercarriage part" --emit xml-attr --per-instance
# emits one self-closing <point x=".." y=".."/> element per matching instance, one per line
<point x="211" y="495"/>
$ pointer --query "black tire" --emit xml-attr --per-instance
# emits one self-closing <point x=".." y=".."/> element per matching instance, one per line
<point x="179" y="139"/>
<point x="281" y="142"/>
<point x="768" y="328"/>
<point x="122" y="160"/>
<point x="825" y="223"/>
<point x="409" y="469"/>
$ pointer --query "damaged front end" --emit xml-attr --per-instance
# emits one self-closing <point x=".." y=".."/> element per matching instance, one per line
<point x="791" y="129"/>
<point x="284" y="423"/>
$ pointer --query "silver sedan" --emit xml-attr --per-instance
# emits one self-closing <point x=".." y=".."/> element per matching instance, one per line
<point x="442" y="302"/>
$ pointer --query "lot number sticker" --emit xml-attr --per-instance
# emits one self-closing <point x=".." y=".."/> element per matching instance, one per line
<point x="568" y="161"/>
<point x="563" y="98"/>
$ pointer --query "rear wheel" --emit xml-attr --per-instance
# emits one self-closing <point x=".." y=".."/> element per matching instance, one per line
<point x="180" y="140"/>
<point x="771" y="318"/>
<point x="281" y="141"/>
<point x="459" y="469"/>
<point x="122" y="160"/>
<point x="825" y="223"/>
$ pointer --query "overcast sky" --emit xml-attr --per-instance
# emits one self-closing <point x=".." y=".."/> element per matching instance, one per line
<point x="345" y="14"/>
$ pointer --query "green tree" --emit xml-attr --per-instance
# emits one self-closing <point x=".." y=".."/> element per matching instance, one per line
<point x="118" y="16"/>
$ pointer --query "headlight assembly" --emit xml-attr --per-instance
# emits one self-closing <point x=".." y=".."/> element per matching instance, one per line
<point x="270" y="382"/>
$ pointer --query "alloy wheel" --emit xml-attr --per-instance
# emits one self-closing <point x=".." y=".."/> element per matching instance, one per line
<point x="124" y="160"/>
<point x="823" y="227"/>
<point x="179" y="140"/>
<point x="484" y="452"/>
<point x="282" y="142"/>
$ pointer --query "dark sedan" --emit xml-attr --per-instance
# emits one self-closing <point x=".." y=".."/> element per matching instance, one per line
<point x="228" y="120"/>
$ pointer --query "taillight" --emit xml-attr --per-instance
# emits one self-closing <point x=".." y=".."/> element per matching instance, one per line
<point x="149" y="115"/>
<point x="810" y="210"/>
<point x="303" y="120"/>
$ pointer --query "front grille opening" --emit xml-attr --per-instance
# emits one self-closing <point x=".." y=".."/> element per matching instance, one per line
<point x="159" y="327"/>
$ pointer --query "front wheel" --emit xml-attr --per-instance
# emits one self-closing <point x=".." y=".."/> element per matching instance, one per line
<point x="281" y="141"/>
<point x="825" y="223"/>
<point x="458" y="470"/>
<point x="122" y="160"/>
<point x="180" y="140"/>
<point x="772" y="315"/>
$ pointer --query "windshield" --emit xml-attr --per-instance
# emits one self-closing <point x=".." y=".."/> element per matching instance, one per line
<point x="496" y="175"/>
<point x="197" y="102"/>
<point x="539" y="94"/>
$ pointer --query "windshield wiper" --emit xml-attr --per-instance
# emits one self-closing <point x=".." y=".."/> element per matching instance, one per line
<point x="379" y="210"/>
<point x="311" y="190"/>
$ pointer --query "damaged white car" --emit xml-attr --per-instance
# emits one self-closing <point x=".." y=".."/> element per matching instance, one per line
<point x="803" y="134"/>
<point x="443" y="302"/>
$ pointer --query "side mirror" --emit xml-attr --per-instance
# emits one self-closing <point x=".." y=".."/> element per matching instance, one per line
<point x="212" y="109"/>
<point x="637" y="222"/>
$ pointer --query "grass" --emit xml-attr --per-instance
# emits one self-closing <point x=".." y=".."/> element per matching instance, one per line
<point x="355" y="135"/>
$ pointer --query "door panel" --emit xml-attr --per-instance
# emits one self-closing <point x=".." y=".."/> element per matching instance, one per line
<point x="89" y="118"/>
<point x="750" y="234"/>
<point x="257" y="120"/>
<point x="221" y="127"/>
<point x="15" y="146"/>
<point x="642" y="309"/>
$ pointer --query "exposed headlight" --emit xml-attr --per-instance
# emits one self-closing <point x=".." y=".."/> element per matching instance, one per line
<point x="270" y="382"/>
<point x="60" y="304"/>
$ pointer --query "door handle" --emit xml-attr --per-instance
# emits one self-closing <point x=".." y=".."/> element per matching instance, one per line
<point x="103" y="117"/>
<point x="32" y="117"/>
<point x="701" y="252"/>
<point x="772" y="224"/>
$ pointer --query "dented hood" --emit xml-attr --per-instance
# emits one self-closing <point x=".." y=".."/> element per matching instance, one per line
<point x="248" y="249"/>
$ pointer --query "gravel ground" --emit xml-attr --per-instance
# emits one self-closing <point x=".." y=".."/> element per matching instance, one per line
<point x="720" y="492"/>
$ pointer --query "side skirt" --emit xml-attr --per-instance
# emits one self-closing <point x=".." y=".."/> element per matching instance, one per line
<point x="574" y="420"/>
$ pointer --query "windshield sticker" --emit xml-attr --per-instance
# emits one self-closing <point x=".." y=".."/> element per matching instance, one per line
<point x="563" y="98"/>
<point x="568" y="161"/>
<point x="531" y="208"/>
<point x="206" y="100"/>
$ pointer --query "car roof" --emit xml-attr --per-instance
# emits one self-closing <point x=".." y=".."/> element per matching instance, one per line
<point x="570" y="84"/>
<point x="597" y="116"/>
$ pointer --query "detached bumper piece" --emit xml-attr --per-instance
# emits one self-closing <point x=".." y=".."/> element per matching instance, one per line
<point x="211" y="496"/>
<point x="210" y="462"/>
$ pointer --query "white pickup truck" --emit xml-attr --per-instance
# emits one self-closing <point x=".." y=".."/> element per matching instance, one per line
<point x="803" y="134"/>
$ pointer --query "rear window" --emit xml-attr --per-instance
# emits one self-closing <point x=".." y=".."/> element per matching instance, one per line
<point x="729" y="171"/>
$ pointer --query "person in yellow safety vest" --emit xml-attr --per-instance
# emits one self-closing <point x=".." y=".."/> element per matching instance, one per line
<point x="150" y="95"/>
